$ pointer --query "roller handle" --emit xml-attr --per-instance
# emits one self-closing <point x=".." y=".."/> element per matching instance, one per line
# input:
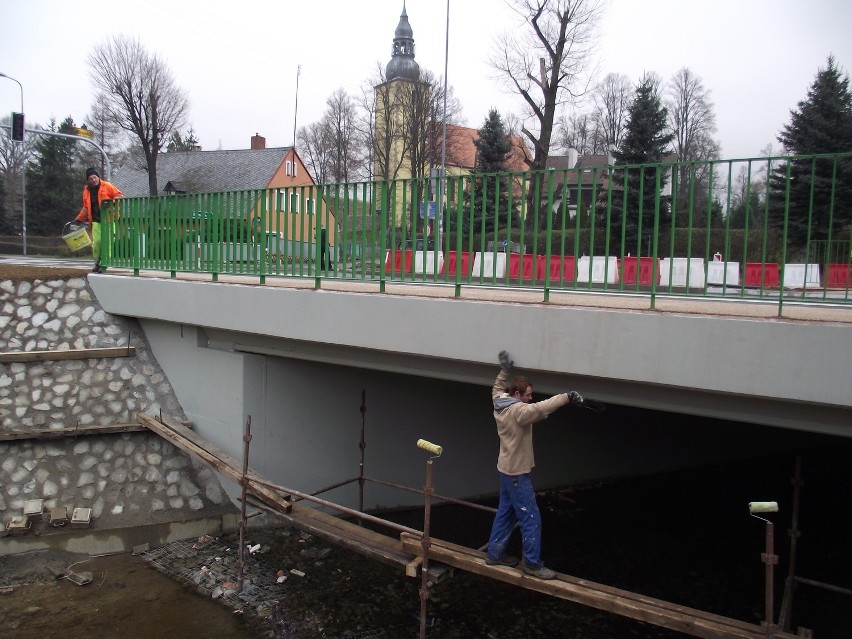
<point x="432" y="448"/>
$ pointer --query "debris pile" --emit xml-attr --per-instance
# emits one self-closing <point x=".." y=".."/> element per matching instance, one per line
<point x="212" y="567"/>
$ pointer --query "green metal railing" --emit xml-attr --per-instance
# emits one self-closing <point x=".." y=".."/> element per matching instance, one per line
<point x="775" y="228"/>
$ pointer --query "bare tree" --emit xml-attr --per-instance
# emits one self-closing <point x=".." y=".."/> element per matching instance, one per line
<point x="612" y="102"/>
<point x="365" y="125"/>
<point x="340" y="119"/>
<point x="109" y="136"/>
<point x="576" y="131"/>
<point x="692" y="122"/>
<point x="140" y="95"/>
<point x="366" y="121"/>
<point x="315" y="147"/>
<point x="691" y="116"/>
<point x="332" y="147"/>
<point x="422" y="112"/>
<point x="546" y="62"/>
<point x="599" y="131"/>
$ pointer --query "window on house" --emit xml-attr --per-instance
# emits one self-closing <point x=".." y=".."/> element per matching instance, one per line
<point x="309" y="206"/>
<point x="294" y="202"/>
<point x="288" y="168"/>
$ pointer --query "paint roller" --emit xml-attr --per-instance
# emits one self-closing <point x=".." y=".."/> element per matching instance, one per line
<point x="432" y="448"/>
<point x="762" y="507"/>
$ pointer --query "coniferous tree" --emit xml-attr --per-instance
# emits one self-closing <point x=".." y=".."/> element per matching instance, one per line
<point x="177" y="142"/>
<point x="487" y="203"/>
<point x="54" y="183"/>
<point x="819" y="189"/>
<point x="645" y="141"/>
<point x="746" y="212"/>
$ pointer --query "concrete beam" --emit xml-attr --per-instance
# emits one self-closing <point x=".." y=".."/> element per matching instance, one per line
<point x="788" y="373"/>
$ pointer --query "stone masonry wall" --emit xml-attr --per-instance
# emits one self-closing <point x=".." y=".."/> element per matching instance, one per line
<point x="127" y="479"/>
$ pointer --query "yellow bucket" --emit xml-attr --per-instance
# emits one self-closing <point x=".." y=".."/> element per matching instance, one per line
<point x="76" y="238"/>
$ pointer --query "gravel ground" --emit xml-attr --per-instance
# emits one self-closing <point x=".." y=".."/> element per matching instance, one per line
<point x="16" y="272"/>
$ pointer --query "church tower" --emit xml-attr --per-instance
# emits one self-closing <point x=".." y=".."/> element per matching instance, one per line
<point x="402" y="65"/>
<point x="394" y="98"/>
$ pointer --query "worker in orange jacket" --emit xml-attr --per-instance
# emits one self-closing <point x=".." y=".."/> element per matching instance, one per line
<point x="98" y="196"/>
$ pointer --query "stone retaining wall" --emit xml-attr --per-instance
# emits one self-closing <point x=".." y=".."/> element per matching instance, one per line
<point x="126" y="479"/>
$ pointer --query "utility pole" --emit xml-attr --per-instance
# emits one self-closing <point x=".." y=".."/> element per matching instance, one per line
<point x="439" y="214"/>
<point x="296" y="108"/>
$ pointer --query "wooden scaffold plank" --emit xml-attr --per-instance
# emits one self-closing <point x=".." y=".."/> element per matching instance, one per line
<point x="17" y="357"/>
<point x="70" y="431"/>
<point x="690" y="621"/>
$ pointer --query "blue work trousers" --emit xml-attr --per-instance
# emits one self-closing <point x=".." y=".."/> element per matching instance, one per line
<point x="517" y="504"/>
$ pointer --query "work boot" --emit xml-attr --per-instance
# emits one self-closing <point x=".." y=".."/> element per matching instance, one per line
<point x="505" y="560"/>
<point x="540" y="571"/>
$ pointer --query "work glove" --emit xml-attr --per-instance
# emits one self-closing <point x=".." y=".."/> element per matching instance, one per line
<point x="575" y="397"/>
<point x="505" y="362"/>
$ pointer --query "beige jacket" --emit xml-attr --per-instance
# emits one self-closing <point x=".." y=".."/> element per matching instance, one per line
<point x="515" y="421"/>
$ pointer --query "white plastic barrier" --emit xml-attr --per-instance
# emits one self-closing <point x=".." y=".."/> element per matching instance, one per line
<point x="677" y="268"/>
<point x="484" y="265"/>
<point x="727" y="273"/>
<point x="429" y="268"/>
<point x="600" y="266"/>
<point x="801" y="276"/>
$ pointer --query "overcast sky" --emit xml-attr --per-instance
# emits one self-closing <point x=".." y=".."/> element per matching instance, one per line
<point x="237" y="61"/>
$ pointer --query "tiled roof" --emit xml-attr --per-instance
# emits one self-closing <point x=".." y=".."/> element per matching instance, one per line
<point x="461" y="149"/>
<point x="592" y="160"/>
<point x="204" y="171"/>
<point x="584" y="166"/>
<point x="564" y="161"/>
<point x="558" y="162"/>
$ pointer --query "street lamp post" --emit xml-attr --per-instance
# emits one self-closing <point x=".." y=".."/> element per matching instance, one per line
<point x="439" y="216"/>
<point x="23" y="173"/>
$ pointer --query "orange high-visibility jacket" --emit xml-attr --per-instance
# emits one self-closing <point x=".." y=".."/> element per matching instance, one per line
<point x="106" y="191"/>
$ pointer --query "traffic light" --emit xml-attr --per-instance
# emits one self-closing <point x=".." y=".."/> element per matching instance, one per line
<point x="18" y="127"/>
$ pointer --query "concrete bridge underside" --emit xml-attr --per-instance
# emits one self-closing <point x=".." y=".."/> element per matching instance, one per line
<point x="297" y="360"/>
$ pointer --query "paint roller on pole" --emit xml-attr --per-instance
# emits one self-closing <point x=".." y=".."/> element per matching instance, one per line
<point x="762" y="507"/>
<point x="429" y="446"/>
<point x="424" y="541"/>
<point x="769" y="558"/>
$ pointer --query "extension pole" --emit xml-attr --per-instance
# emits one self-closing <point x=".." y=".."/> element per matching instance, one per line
<point x="362" y="445"/>
<point x="243" y="489"/>
<point x="424" y="568"/>
<point x="770" y="559"/>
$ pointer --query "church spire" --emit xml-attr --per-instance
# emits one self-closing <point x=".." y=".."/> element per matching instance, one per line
<point x="402" y="64"/>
